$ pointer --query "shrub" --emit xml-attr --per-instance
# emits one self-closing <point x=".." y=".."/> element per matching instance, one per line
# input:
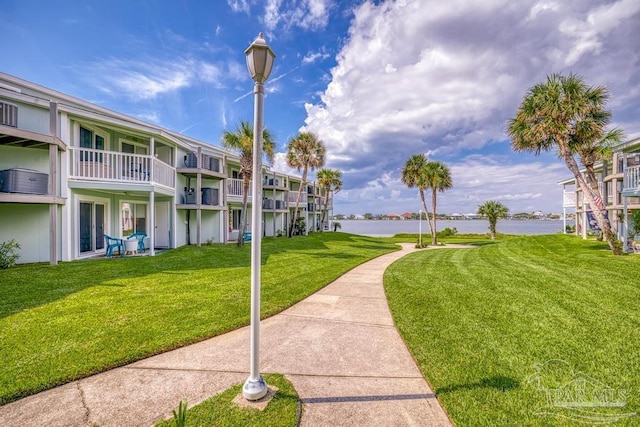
<point x="8" y="253"/>
<point x="448" y="232"/>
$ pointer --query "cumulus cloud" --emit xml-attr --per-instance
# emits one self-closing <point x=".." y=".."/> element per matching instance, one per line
<point x="444" y="77"/>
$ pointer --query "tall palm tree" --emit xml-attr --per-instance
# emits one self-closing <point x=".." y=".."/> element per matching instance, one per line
<point x="438" y="178"/>
<point x="329" y="180"/>
<point x="566" y="114"/>
<point x="413" y="175"/>
<point x="493" y="210"/>
<point x="241" y="141"/>
<point x="304" y="151"/>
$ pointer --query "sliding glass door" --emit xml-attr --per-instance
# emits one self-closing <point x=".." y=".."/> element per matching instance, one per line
<point x="91" y="226"/>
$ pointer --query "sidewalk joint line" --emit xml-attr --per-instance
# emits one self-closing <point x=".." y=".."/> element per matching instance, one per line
<point x="351" y="322"/>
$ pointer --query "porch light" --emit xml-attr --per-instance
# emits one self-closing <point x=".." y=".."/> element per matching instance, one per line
<point x="259" y="61"/>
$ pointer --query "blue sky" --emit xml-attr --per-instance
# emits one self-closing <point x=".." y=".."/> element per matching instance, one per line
<point x="376" y="81"/>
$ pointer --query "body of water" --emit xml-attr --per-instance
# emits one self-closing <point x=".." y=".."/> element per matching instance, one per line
<point x="476" y="226"/>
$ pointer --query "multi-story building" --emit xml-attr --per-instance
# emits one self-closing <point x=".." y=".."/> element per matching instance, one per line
<point x="619" y="184"/>
<point x="72" y="172"/>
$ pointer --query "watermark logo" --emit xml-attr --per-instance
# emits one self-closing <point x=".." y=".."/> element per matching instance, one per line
<point x="575" y="396"/>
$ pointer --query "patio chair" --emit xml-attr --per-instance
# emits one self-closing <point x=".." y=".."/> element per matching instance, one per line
<point x="247" y="236"/>
<point x="113" y="243"/>
<point x="140" y="236"/>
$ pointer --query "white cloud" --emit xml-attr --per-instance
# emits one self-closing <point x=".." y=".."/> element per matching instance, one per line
<point x="305" y="14"/>
<point x="148" y="78"/>
<point x="427" y="76"/>
<point x="239" y="5"/>
<point x="312" y="57"/>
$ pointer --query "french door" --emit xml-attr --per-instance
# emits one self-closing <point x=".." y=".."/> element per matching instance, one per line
<point x="91" y="224"/>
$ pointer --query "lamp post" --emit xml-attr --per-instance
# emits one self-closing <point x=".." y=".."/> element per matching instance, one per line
<point x="420" y="228"/>
<point x="259" y="62"/>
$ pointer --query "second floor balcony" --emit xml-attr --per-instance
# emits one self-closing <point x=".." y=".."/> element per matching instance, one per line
<point x="110" y="166"/>
<point x="631" y="179"/>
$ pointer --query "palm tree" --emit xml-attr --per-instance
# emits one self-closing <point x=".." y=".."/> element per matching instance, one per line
<point x="241" y="140"/>
<point x="438" y="178"/>
<point x="329" y="180"/>
<point x="304" y="151"/>
<point x="493" y="210"/>
<point x="590" y="152"/>
<point x="413" y="175"/>
<point x="566" y="114"/>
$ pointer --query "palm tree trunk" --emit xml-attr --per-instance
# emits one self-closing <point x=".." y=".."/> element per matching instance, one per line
<point x="434" y="238"/>
<point x="243" y="216"/>
<point x="324" y="211"/>
<point x="426" y="211"/>
<point x="609" y="237"/>
<point x="295" y="211"/>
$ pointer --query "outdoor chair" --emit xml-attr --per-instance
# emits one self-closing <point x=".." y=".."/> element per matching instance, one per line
<point x="113" y="243"/>
<point x="247" y="236"/>
<point x="140" y="236"/>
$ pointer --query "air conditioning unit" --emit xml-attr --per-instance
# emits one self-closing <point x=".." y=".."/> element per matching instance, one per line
<point x="210" y="196"/>
<point x="191" y="161"/>
<point x="18" y="180"/>
<point x="8" y="114"/>
<point x="190" y="197"/>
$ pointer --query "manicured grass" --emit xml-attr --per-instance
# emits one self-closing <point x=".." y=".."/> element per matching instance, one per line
<point x="479" y="320"/>
<point x="59" y="323"/>
<point x="220" y="410"/>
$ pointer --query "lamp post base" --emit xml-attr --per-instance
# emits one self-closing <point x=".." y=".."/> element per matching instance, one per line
<point x="254" y="389"/>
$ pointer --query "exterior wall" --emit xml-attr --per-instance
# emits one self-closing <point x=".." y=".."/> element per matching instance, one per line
<point x="18" y="157"/>
<point x="31" y="117"/>
<point x="28" y="224"/>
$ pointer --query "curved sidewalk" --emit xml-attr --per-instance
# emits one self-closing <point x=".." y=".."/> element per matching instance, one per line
<point x="338" y="347"/>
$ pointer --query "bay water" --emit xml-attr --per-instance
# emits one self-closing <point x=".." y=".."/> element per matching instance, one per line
<point x="475" y="226"/>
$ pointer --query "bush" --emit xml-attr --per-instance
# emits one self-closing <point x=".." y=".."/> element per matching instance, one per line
<point x="8" y="253"/>
<point x="448" y="232"/>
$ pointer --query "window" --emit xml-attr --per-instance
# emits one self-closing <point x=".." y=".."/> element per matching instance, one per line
<point x="90" y="139"/>
<point x="134" y="218"/>
<point x="133" y="148"/>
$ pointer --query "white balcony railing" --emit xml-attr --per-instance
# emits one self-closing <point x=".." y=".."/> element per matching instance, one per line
<point x="99" y="165"/>
<point x="631" y="180"/>
<point x="234" y="188"/>
<point x="569" y="199"/>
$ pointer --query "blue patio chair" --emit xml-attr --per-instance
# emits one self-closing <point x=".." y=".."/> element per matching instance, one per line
<point x="140" y="236"/>
<point x="114" y="243"/>
<point x="247" y="236"/>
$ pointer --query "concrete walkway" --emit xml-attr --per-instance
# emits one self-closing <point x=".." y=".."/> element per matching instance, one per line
<point x="339" y="348"/>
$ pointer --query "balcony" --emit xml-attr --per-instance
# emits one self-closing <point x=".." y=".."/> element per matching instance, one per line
<point x="209" y="165"/>
<point x="234" y="188"/>
<point x="569" y="199"/>
<point x="110" y="166"/>
<point x="291" y="198"/>
<point x="631" y="180"/>
<point x="277" y="205"/>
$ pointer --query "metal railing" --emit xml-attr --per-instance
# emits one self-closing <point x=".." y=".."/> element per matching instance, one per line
<point x="112" y="166"/>
<point x="292" y="195"/>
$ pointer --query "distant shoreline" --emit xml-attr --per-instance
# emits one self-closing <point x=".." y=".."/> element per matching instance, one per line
<point x="372" y="227"/>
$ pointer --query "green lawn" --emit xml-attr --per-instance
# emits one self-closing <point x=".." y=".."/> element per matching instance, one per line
<point x="59" y="323"/>
<point x="220" y="410"/>
<point x="482" y="322"/>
